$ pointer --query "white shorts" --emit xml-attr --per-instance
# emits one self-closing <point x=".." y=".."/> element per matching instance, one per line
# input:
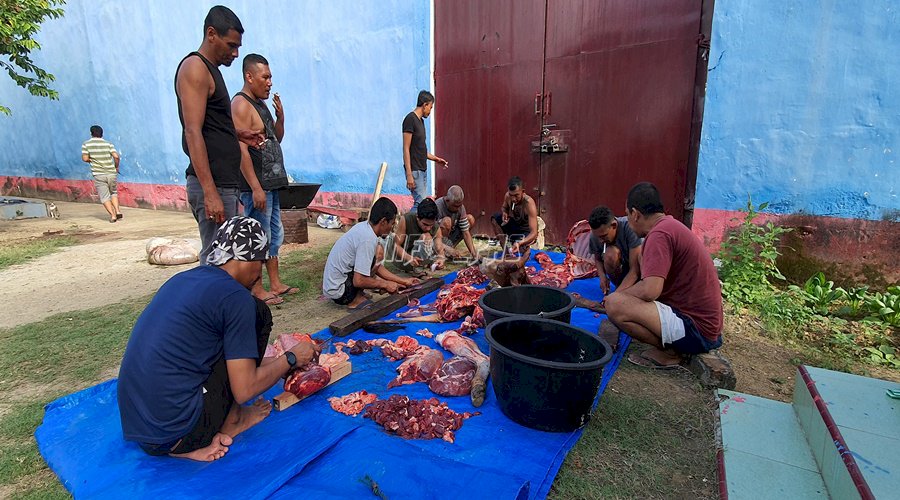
<point x="672" y="325"/>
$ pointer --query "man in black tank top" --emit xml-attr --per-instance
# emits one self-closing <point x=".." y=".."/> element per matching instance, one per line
<point x="209" y="137"/>
<point x="263" y="169"/>
<point x="517" y="218"/>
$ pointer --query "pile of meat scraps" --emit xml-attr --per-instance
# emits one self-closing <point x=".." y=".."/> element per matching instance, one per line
<point x="457" y="301"/>
<point x="417" y="419"/>
<point x="471" y="275"/>
<point x="555" y="275"/>
<point x="396" y="350"/>
<point x="352" y="404"/>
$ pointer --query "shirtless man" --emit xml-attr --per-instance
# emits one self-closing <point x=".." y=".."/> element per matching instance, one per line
<point x="195" y="354"/>
<point x="517" y="219"/>
<point x="209" y="137"/>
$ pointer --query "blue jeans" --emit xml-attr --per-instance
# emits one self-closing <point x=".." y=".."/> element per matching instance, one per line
<point x="419" y="193"/>
<point x="269" y="218"/>
<point x="207" y="227"/>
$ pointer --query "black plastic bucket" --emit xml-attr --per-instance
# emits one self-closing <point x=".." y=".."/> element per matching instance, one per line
<point x="545" y="373"/>
<point x="529" y="300"/>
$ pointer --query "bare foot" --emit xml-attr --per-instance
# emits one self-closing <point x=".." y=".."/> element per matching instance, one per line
<point x="242" y="418"/>
<point x="216" y="450"/>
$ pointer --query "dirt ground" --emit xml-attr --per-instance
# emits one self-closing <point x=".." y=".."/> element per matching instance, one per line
<point x="109" y="264"/>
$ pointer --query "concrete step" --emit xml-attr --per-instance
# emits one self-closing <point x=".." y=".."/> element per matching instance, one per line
<point x="764" y="451"/>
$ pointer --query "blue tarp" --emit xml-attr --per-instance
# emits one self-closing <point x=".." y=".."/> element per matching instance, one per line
<point x="312" y="451"/>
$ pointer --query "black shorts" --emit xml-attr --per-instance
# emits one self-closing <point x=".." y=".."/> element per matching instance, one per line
<point x="217" y="397"/>
<point x="513" y="230"/>
<point x="350" y="291"/>
<point x="693" y="341"/>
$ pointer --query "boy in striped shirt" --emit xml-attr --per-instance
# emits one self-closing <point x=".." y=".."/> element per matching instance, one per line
<point x="104" y="160"/>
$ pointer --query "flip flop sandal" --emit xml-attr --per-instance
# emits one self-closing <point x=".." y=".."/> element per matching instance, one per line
<point x="637" y="359"/>
<point x="274" y="300"/>
<point x="119" y="216"/>
<point x="291" y="290"/>
<point x="362" y="305"/>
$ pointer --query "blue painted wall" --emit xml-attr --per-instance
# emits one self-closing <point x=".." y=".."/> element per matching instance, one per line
<point x="803" y="108"/>
<point x="347" y="71"/>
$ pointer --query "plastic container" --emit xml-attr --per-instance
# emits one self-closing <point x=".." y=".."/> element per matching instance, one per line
<point x="545" y="373"/>
<point x="530" y="300"/>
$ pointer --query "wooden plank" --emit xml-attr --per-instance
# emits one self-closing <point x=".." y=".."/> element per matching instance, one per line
<point x="287" y="399"/>
<point x="356" y="319"/>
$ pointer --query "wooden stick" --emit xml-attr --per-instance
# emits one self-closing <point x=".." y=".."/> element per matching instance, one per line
<point x="356" y="319"/>
<point x="378" y="184"/>
<point x="287" y="399"/>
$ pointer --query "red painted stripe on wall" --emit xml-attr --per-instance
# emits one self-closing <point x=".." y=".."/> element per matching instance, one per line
<point x="158" y="196"/>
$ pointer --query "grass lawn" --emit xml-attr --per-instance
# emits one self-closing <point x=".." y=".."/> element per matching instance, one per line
<point x="20" y="251"/>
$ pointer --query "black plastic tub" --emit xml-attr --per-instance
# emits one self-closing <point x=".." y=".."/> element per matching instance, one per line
<point x="529" y="300"/>
<point x="545" y="373"/>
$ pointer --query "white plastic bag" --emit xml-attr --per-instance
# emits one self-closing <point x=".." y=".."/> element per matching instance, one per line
<point x="329" y="221"/>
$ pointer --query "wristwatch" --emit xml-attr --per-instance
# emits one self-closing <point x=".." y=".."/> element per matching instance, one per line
<point x="291" y="359"/>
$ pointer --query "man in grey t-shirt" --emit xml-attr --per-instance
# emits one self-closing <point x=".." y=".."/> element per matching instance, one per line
<point x="355" y="261"/>
<point x="616" y="249"/>
<point x="455" y="223"/>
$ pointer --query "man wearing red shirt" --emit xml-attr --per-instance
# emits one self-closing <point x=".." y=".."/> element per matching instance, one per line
<point x="677" y="305"/>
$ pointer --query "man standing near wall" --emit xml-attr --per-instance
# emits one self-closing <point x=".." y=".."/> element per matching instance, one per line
<point x="104" y="160"/>
<point x="415" y="150"/>
<point x="209" y="137"/>
<point x="263" y="168"/>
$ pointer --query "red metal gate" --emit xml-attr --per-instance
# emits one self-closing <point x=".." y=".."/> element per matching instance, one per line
<point x="581" y="98"/>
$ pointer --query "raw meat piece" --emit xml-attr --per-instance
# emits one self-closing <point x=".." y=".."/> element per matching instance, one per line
<point x="457" y="301"/>
<point x="307" y="380"/>
<point x="471" y="275"/>
<point x="555" y="275"/>
<point x="578" y="251"/>
<point x="419" y="367"/>
<point x="467" y="348"/>
<point x="472" y="323"/>
<point x="355" y="347"/>
<point x="285" y="342"/>
<point x="506" y="272"/>
<point x="454" y="378"/>
<point x="332" y="360"/>
<point x="416" y="419"/>
<point x="352" y="404"/>
<point x="425" y="332"/>
<point x="395" y="351"/>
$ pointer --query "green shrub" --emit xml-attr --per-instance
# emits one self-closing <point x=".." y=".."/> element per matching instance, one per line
<point x="819" y="294"/>
<point x="748" y="259"/>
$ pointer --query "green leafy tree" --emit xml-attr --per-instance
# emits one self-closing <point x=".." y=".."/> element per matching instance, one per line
<point x="20" y="20"/>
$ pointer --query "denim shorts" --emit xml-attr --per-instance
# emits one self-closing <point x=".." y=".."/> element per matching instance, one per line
<point x="269" y="218"/>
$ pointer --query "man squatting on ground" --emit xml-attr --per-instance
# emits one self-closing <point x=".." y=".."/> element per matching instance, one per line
<point x="208" y="134"/>
<point x="355" y="262"/>
<point x="677" y="305"/>
<point x="615" y="248"/>
<point x="194" y="356"/>
<point x="104" y="161"/>
<point x="415" y="149"/>
<point x="516" y="222"/>
<point x="418" y="239"/>
<point x="262" y="168"/>
<point x="456" y="224"/>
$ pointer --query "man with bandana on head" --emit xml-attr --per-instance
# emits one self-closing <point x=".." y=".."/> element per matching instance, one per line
<point x="194" y="356"/>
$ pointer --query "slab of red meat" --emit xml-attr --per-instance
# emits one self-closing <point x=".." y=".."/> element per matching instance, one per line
<point x="307" y="380"/>
<point x="352" y="404"/>
<point x="419" y="367"/>
<point x="416" y="419"/>
<point x="457" y="301"/>
<point x="555" y="275"/>
<point x="454" y="378"/>
<point x="467" y="348"/>
<point x="471" y="275"/>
